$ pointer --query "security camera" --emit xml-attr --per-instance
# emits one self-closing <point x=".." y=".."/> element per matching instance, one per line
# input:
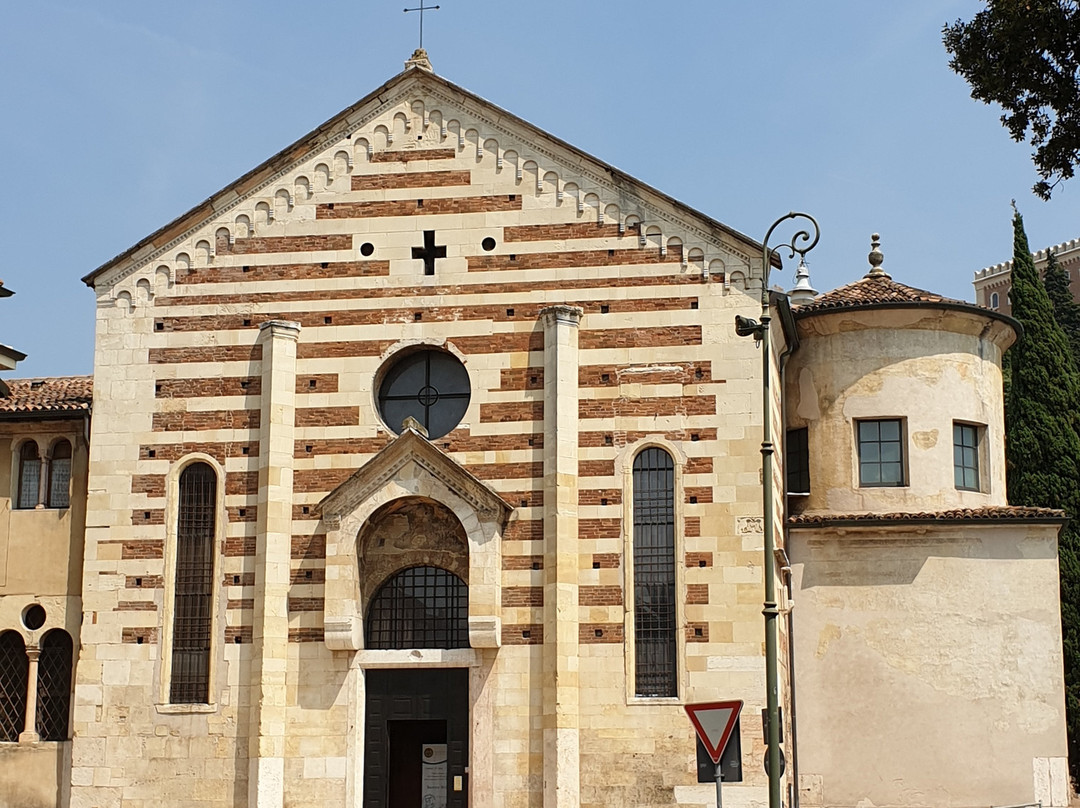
<point x="745" y="327"/>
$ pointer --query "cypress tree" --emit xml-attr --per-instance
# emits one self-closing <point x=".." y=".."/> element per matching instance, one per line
<point x="1043" y="448"/>
<point x="1066" y="312"/>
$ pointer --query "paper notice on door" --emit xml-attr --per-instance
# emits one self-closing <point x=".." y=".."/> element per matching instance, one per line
<point x="433" y="779"/>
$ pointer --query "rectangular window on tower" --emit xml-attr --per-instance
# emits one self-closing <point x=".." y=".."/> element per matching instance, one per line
<point x="966" y="440"/>
<point x="881" y="452"/>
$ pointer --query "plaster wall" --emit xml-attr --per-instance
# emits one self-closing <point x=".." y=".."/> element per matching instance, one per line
<point x="931" y="662"/>
<point x="929" y="368"/>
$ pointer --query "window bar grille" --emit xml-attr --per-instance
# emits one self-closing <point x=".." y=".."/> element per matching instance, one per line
<point x="654" y="574"/>
<point x="29" y="475"/>
<point x="190" y="680"/>
<point x="54" y="686"/>
<point x="14" y="675"/>
<point x="60" y="475"/>
<point x="420" y="607"/>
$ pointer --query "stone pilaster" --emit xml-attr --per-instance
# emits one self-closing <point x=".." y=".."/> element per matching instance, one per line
<point x="561" y="714"/>
<point x="270" y="633"/>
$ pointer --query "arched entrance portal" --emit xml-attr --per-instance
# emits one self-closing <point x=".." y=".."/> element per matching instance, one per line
<point x="416" y="725"/>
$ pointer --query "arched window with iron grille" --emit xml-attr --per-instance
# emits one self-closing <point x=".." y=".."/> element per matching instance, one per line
<point x="655" y="647"/>
<point x="14" y="675"/>
<point x="29" y="475"/>
<point x="59" y="475"/>
<point x="193" y="585"/>
<point x="420" y="607"/>
<point x="54" y="685"/>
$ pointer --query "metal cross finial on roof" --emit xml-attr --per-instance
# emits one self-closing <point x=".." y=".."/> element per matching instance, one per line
<point x="421" y="9"/>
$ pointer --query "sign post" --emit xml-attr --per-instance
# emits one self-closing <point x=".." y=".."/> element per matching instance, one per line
<point x="714" y="722"/>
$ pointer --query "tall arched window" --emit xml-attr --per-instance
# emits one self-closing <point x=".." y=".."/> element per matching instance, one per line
<point x="655" y="664"/>
<point x="420" y="607"/>
<point x="59" y="475"/>
<point x="14" y="673"/>
<point x="192" y="618"/>
<point x="54" y="686"/>
<point x="29" y="475"/>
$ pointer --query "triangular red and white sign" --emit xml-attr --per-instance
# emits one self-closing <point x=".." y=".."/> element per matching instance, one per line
<point x="714" y="722"/>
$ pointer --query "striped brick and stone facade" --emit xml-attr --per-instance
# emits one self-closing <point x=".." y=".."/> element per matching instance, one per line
<point x="593" y="316"/>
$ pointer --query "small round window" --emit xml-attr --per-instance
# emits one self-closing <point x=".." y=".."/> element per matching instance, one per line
<point x="430" y="386"/>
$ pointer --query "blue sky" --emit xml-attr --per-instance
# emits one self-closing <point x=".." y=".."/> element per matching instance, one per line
<point x="118" y="115"/>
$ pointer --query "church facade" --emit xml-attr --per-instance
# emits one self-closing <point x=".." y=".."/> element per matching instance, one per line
<point x="424" y="469"/>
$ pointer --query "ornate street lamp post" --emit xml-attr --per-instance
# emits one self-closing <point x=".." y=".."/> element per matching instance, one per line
<point x="801" y="243"/>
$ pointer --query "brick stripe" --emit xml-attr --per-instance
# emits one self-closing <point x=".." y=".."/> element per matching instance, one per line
<point x="522" y="596"/>
<point x="144" y="582"/>
<point x="257" y="273"/>
<point x="305" y="604"/>
<point x="372" y="292"/>
<point x="699" y="465"/>
<point x="414" y="179"/>
<point x="205" y="353"/>
<point x="521" y="379"/>
<point x="327" y="416"/>
<point x="596" y="468"/>
<point x="646" y="407"/>
<point x="508" y="411"/>
<point x="153" y="485"/>
<point x="702" y="493"/>
<point x="692" y="632"/>
<point x="306" y="634"/>
<point x="239" y="546"/>
<point x="617" y="438"/>
<point x="605" y="561"/>
<point x="594" y="633"/>
<point x="599" y="496"/>
<point x="239" y="604"/>
<point x="139" y="636"/>
<point x="308" y="575"/>
<point x="197" y="420"/>
<point x="309" y="548"/>
<point x="247" y="513"/>
<point x="140" y="548"/>
<point x="529" y="562"/>
<point x="413" y="154"/>
<point x="154" y="516"/>
<point x="275" y="244"/>
<point x="320" y="480"/>
<point x="239" y="579"/>
<point x="524" y="530"/>
<point x="317" y="383"/>
<point x="208" y="388"/>
<point x="507" y="471"/>
<point x="340" y="446"/>
<point x="572" y="258"/>
<point x="523" y="499"/>
<point x="242" y="482"/>
<point x="697" y="593"/>
<point x="559" y="232"/>
<point x="599" y="528"/>
<point x="600" y="596"/>
<point x="136" y="606"/>
<point x="692" y="527"/>
<point x="637" y="337"/>
<point x="238" y="635"/>
<point x="417" y="207"/>
<point x="699" y="559"/>
<point x="523" y="634"/>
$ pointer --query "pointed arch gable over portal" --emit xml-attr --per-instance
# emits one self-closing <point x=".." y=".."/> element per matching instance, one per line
<point x="412" y="467"/>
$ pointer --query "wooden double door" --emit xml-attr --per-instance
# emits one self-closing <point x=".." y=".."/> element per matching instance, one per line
<point x="416" y="738"/>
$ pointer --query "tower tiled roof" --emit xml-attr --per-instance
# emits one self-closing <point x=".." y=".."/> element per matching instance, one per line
<point x="53" y="394"/>
<point x="874" y="290"/>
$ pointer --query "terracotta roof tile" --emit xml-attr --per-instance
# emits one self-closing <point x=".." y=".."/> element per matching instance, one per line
<point x="55" y="394"/>
<point x="990" y="513"/>
<point x="874" y="290"/>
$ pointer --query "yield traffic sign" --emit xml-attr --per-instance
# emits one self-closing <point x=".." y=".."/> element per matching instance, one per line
<point x="714" y="721"/>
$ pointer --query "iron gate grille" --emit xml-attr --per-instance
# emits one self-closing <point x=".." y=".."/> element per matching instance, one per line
<point x="421" y="607"/>
<point x="190" y="680"/>
<point x="654" y="574"/>
<point x="54" y="686"/>
<point x="14" y="675"/>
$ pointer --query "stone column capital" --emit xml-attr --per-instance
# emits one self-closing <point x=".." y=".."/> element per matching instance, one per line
<point x="280" y="329"/>
<point x="561" y="314"/>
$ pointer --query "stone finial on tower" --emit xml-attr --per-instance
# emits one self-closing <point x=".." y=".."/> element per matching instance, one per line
<point x="419" y="59"/>
<point x="876" y="259"/>
<point x="802" y="292"/>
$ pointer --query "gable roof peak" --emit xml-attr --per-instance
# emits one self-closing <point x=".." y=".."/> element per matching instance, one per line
<point x="419" y="59"/>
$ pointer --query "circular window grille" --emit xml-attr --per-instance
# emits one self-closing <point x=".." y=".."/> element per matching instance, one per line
<point x="430" y="386"/>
